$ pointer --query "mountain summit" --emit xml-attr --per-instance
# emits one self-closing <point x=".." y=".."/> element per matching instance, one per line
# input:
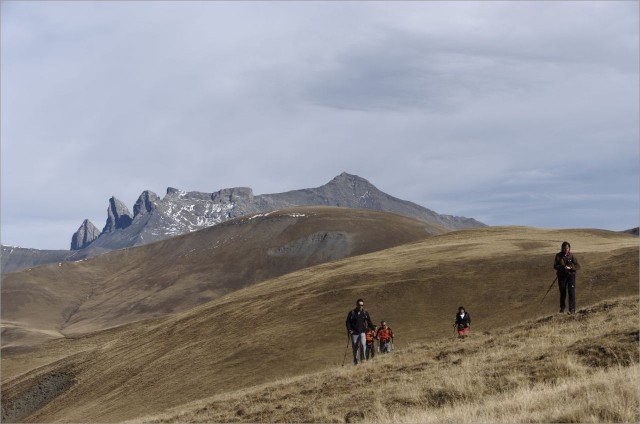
<point x="181" y="212"/>
<point x="85" y="235"/>
<point x="352" y="191"/>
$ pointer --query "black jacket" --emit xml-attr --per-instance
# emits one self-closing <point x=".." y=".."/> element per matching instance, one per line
<point x="463" y="322"/>
<point x="560" y="261"/>
<point x="358" y="321"/>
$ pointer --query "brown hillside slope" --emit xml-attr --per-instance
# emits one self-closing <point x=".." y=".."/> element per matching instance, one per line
<point x="294" y="324"/>
<point x="557" y="368"/>
<point x="174" y="275"/>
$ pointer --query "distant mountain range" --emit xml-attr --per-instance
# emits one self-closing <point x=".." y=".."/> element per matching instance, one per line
<point x="181" y="212"/>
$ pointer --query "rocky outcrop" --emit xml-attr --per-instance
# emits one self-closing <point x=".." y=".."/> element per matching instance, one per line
<point x="119" y="216"/>
<point x="34" y="394"/>
<point x="233" y="195"/>
<point x="146" y="203"/>
<point x="85" y="235"/>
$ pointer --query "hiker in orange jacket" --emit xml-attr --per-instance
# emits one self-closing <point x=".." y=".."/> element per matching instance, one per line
<point x="371" y="337"/>
<point x="385" y="336"/>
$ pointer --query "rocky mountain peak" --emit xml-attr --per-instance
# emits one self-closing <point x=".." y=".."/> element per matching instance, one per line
<point x="171" y="191"/>
<point x="146" y="203"/>
<point x="119" y="216"/>
<point x="351" y="191"/>
<point x="349" y="180"/>
<point x="86" y="234"/>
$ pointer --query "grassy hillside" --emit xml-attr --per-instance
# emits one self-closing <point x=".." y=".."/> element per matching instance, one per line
<point x="294" y="324"/>
<point x="174" y="275"/>
<point x="557" y="368"/>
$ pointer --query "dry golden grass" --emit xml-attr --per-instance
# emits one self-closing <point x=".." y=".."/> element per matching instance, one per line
<point x="582" y="368"/>
<point x="293" y="326"/>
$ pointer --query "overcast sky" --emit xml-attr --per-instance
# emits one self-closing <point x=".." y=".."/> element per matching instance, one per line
<point x="513" y="113"/>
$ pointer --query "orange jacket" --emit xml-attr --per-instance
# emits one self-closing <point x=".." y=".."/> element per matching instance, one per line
<point x="370" y="336"/>
<point x="385" y="334"/>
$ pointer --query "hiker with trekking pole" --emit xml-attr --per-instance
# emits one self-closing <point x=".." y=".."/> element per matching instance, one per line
<point x="357" y="323"/>
<point x="549" y="289"/>
<point x="346" y="349"/>
<point x="462" y="323"/>
<point x="566" y="265"/>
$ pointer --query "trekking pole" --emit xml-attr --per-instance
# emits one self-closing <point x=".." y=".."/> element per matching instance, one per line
<point x="549" y="289"/>
<point x="346" y="349"/>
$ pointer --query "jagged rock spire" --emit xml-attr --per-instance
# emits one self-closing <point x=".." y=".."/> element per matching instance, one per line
<point x="119" y="216"/>
<point x="145" y="204"/>
<point x="86" y="234"/>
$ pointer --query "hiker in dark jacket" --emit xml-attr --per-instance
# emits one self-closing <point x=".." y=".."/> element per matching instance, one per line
<point x="463" y="322"/>
<point x="566" y="266"/>
<point x="357" y="323"/>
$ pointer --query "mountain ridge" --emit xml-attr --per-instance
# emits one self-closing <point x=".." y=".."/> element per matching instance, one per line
<point x="179" y="212"/>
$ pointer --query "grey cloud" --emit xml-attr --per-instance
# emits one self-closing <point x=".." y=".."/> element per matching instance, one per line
<point x="438" y="71"/>
<point x="441" y="103"/>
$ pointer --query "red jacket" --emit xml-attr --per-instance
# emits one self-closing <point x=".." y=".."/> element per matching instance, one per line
<point x="385" y="334"/>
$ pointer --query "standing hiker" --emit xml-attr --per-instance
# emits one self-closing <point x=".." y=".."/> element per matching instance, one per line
<point x="385" y="335"/>
<point x="357" y="322"/>
<point x="463" y="322"/>
<point x="371" y="347"/>
<point x="566" y="266"/>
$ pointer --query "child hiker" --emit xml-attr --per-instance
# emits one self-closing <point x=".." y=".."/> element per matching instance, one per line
<point x="463" y="322"/>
